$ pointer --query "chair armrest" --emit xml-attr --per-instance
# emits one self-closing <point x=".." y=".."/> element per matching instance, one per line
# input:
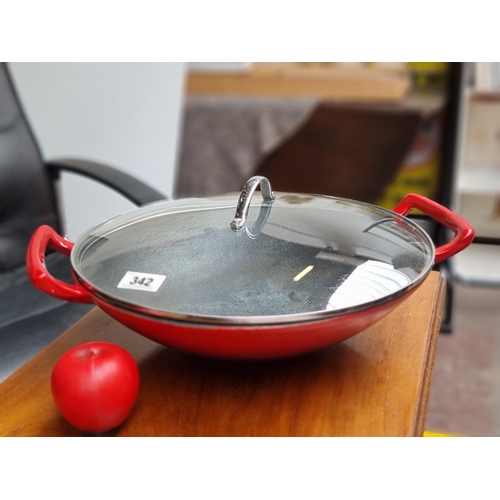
<point x="486" y="240"/>
<point x="132" y="188"/>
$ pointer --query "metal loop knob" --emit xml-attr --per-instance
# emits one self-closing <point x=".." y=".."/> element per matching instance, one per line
<point x="247" y="192"/>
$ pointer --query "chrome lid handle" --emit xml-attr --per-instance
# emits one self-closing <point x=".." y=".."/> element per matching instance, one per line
<point x="247" y="192"/>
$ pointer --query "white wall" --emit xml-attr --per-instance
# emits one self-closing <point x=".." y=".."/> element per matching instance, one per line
<point x="124" y="114"/>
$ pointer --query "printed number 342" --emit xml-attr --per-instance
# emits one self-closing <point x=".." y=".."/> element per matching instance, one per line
<point x="141" y="281"/>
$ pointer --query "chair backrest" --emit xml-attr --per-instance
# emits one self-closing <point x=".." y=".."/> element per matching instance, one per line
<point x="27" y="195"/>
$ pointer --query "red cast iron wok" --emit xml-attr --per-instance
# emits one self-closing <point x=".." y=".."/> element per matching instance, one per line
<point x="288" y="274"/>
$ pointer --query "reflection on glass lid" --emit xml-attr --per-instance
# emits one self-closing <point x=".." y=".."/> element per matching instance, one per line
<point x="299" y="255"/>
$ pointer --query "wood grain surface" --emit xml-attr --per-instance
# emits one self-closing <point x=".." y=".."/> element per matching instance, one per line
<point x="374" y="384"/>
<point x="334" y="83"/>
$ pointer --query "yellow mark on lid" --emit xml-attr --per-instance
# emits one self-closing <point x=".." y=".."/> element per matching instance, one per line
<point x="303" y="273"/>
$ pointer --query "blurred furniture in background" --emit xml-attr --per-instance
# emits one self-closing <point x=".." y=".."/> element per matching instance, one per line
<point x="478" y="175"/>
<point x="320" y="127"/>
<point x="347" y="151"/>
<point x="330" y="81"/>
<point x="224" y="138"/>
<point x="29" y="319"/>
<point x="236" y="121"/>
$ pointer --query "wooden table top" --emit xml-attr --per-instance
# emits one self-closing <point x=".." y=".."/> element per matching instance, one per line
<point x="374" y="384"/>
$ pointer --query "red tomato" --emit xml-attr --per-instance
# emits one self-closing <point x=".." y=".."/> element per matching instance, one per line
<point x="95" y="385"/>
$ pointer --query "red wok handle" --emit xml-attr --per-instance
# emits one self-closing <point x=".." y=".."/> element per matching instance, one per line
<point x="40" y="277"/>
<point x="464" y="234"/>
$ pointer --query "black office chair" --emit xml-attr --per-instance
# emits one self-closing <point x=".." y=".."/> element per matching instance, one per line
<point x="29" y="319"/>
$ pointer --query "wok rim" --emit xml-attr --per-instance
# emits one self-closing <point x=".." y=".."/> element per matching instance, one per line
<point x="251" y="321"/>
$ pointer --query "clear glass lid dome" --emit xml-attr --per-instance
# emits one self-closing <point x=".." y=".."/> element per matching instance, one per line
<point x="292" y="257"/>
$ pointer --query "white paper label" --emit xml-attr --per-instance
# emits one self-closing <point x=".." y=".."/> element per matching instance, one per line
<point x="141" y="281"/>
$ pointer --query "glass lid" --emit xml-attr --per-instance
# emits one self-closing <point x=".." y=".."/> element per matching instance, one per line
<point x="275" y="258"/>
